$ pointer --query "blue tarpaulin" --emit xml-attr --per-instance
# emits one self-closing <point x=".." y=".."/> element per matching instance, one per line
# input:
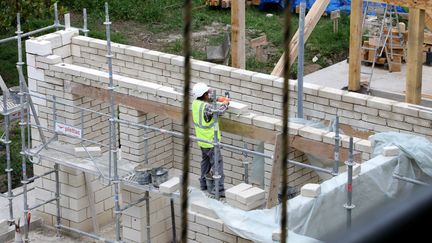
<point x="343" y="5"/>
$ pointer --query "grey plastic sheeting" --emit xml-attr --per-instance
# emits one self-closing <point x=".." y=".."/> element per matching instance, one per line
<point x="312" y="218"/>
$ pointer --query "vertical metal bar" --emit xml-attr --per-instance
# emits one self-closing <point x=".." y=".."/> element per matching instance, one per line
<point x="22" y="126"/>
<point x="54" y="114"/>
<point x="56" y="17"/>
<point x="245" y="164"/>
<point x="8" y="169"/>
<point x="349" y="206"/>
<point x="85" y="30"/>
<point x="216" y="147"/>
<point x="300" y="67"/>
<point x="147" y="194"/>
<point x="285" y="112"/>
<point x="173" y="220"/>
<point x="185" y="118"/>
<point x="337" y="149"/>
<point x="57" y="196"/>
<point x="113" y="140"/>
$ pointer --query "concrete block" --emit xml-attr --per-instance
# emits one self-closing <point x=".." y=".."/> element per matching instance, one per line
<point x="331" y="93"/>
<point x="263" y="79"/>
<point x="312" y="133"/>
<point x="294" y="128"/>
<point x="38" y="47"/>
<point x="390" y="151"/>
<point x="67" y="35"/>
<point x="170" y="186"/>
<point x="221" y="70"/>
<point x="406" y="109"/>
<point x="201" y="207"/>
<point x="356" y="169"/>
<point x="64" y="51"/>
<point x="81" y="40"/>
<point x="237" y="108"/>
<point x="81" y="152"/>
<point x="35" y="73"/>
<point x="53" y="59"/>
<point x="276" y="234"/>
<point x="355" y="98"/>
<point x="310" y="190"/>
<point x="363" y="145"/>
<point x="265" y="122"/>
<point x="210" y="222"/>
<point x="242" y="74"/>
<point x="233" y="191"/>
<point x="248" y="206"/>
<point x="54" y="38"/>
<point x="250" y="195"/>
<point x="380" y="103"/>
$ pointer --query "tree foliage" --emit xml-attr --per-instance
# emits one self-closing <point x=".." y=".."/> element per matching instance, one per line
<point x="29" y="9"/>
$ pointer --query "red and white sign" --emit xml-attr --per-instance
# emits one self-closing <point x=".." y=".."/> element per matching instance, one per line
<point x="68" y="130"/>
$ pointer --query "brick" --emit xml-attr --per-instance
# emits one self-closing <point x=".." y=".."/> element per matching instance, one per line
<point x="242" y="74"/>
<point x="405" y="109"/>
<point x="81" y="152"/>
<point x="35" y="73"/>
<point x="425" y="114"/>
<point x="67" y="35"/>
<point x="54" y="38"/>
<point x="312" y="133"/>
<point x="210" y="222"/>
<point x="81" y="40"/>
<point x="355" y="98"/>
<point x="294" y="128"/>
<point x="221" y="70"/>
<point x="31" y="60"/>
<point x="170" y="186"/>
<point x="390" y="151"/>
<point x="363" y="145"/>
<point x="38" y="47"/>
<point x="265" y="122"/>
<point x="233" y="191"/>
<point x="250" y="195"/>
<point x="310" y="190"/>
<point x="228" y="238"/>
<point x="248" y="206"/>
<point x="263" y="79"/>
<point x="380" y="103"/>
<point x="201" y="207"/>
<point x="76" y="51"/>
<point x="134" y="51"/>
<point x="401" y="125"/>
<point x="331" y="93"/>
<point x="207" y="239"/>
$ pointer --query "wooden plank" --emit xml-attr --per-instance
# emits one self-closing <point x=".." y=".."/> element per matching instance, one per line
<point x="311" y="20"/>
<point x="414" y="57"/>
<point x="355" y="45"/>
<point x="275" y="179"/>
<point x="418" y="4"/>
<point x="319" y="149"/>
<point x="428" y="19"/>
<point x="238" y="34"/>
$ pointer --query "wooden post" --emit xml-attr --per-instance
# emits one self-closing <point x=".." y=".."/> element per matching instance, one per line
<point x="238" y="33"/>
<point x="311" y="20"/>
<point x="416" y="27"/>
<point x="275" y="179"/>
<point x="355" y="44"/>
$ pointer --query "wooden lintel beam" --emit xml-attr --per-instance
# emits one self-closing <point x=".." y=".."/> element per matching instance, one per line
<point x="418" y="4"/>
<point x="416" y="27"/>
<point x="238" y="34"/>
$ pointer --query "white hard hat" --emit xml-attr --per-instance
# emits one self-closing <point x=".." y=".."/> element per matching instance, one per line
<point x="199" y="89"/>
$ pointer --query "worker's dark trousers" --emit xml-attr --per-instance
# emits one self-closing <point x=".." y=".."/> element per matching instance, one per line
<point x="207" y="163"/>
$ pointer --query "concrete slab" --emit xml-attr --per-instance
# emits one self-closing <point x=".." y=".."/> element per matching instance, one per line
<point x="336" y="76"/>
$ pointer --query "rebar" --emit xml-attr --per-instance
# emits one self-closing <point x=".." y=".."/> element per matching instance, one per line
<point x="186" y="120"/>
<point x="216" y="147"/>
<point x="112" y="129"/>
<point x="300" y="67"/>
<point x="245" y="164"/>
<point x="285" y="112"/>
<point x="414" y="181"/>
<point x="336" y="149"/>
<point x="350" y="163"/>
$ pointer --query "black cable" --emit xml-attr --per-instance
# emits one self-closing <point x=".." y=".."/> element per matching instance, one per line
<point x="186" y="139"/>
<point x="285" y="108"/>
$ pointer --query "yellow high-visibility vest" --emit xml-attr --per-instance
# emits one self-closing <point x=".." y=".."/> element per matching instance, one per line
<point x="203" y="130"/>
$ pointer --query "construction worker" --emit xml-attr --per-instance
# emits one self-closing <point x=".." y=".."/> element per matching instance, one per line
<point x="203" y="118"/>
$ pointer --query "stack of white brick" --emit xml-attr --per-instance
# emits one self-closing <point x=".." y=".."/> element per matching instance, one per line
<point x="134" y="219"/>
<point x="205" y="227"/>
<point x="245" y="197"/>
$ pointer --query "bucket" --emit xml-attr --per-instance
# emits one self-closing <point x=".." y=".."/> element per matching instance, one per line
<point x="210" y="182"/>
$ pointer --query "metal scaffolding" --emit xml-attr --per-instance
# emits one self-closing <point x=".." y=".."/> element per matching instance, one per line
<point x="110" y="160"/>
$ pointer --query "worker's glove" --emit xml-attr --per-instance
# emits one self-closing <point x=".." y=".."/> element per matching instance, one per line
<point x="224" y="100"/>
